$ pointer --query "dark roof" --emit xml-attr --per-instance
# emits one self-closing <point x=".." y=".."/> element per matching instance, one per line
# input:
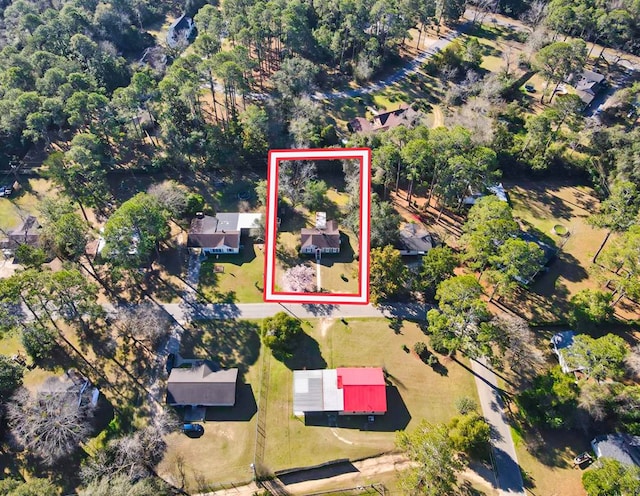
<point x="549" y="251"/>
<point x="414" y="239"/>
<point x="404" y="115"/>
<point x="321" y="238"/>
<point x="208" y="232"/>
<point x="588" y="80"/>
<point x="203" y="384"/>
<point x="621" y="447"/>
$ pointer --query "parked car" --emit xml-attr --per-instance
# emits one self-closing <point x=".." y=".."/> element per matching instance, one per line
<point x="530" y="88"/>
<point x="193" y="430"/>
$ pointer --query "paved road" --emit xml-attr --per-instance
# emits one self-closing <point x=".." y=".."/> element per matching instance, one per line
<point x="411" y="67"/>
<point x="504" y="451"/>
<point x="183" y="312"/>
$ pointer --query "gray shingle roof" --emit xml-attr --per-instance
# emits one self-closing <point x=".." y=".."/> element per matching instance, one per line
<point x="325" y="238"/>
<point x="621" y="447"/>
<point x="203" y="385"/>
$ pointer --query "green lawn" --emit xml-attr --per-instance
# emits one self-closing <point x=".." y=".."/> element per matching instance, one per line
<point x="416" y="392"/>
<point x="227" y="448"/>
<point x="242" y="278"/>
<point x="539" y="207"/>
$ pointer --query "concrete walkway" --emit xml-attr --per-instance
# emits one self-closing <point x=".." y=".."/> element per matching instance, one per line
<point x="504" y="451"/>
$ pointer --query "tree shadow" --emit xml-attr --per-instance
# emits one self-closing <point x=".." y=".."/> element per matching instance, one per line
<point x="232" y="343"/>
<point x="306" y="354"/>
<point x="321" y="310"/>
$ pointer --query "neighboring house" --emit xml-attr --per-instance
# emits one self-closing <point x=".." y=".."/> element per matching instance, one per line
<point x="202" y="384"/>
<point x="497" y="190"/>
<point x="324" y="238"/>
<point x="561" y="342"/>
<point x="180" y="31"/>
<point x="620" y="446"/>
<point x="27" y="233"/>
<point x="588" y="84"/>
<point x="220" y="234"/>
<point x="73" y="383"/>
<point x="550" y="252"/>
<point x="345" y="391"/>
<point x="403" y="116"/>
<point x="414" y="240"/>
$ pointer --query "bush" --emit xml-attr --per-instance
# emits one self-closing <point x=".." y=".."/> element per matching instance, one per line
<point x="466" y="405"/>
<point x="432" y="360"/>
<point x="405" y="348"/>
<point x="280" y="331"/>
<point x="420" y="349"/>
<point x="195" y="203"/>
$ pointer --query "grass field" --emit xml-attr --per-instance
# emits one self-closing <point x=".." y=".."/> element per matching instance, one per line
<point x="539" y="207"/>
<point x="551" y="472"/>
<point x="225" y="451"/>
<point x="416" y="392"/>
<point x="241" y="280"/>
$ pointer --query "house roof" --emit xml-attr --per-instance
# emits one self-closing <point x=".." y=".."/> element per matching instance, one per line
<point x="414" y="239"/>
<point x="355" y="389"/>
<point x="561" y="342"/>
<point x="203" y="384"/>
<point x="549" y="251"/>
<point x="27" y="233"/>
<point x="321" y="238"/>
<point x="211" y="232"/>
<point x="588" y="80"/>
<point x="404" y="115"/>
<point x="365" y="389"/>
<point x="621" y="447"/>
<point x="316" y="391"/>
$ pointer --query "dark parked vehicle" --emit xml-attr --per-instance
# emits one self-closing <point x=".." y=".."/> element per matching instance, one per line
<point x="193" y="430"/>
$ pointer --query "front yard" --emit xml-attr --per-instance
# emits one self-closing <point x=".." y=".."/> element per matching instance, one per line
<point x="234" y="278"/>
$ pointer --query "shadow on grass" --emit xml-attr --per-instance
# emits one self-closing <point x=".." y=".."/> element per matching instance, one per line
<point x="325" y="472"/>
<point x="306" y="355"/>
<point x="243" y="411"/>
<point x="397" y="417"/>
<point x="232" y="343"/>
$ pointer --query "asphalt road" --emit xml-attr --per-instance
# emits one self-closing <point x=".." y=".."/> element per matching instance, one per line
<point x="183" y="312"/>
<point x="504" y="452"/>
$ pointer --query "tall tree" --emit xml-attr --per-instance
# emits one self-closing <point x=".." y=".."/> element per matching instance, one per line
<point x="133" y="232"/>
<point x="437" y="463"/>
<point x="560" y="60"/>
<point x="516" y="263"/>
<point x="388" y="274"/>
<point x="601" y="358"/>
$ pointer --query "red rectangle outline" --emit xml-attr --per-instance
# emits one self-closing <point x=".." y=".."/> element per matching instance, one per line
<point x="364" y="157"/>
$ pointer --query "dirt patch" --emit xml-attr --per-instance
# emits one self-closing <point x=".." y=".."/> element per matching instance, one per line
<point x="324" y="326"/>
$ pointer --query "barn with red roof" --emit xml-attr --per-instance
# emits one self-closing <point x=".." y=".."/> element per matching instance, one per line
<point x="347" y="391"/>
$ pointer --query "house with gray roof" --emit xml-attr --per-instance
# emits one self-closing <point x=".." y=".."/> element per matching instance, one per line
<point x="561" y="343"/>
<point x="202" y="384"/>
<point x="220" y="234"/>
<point x="323" y="238"/>
<point x="621" y="447"/>
<point x="414" y="240"/>
<point x="27" y="233"/>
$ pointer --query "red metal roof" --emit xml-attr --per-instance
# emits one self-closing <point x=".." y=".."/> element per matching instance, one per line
<point x="364" y="389"/>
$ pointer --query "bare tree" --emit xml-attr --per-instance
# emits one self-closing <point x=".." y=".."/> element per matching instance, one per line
<point x="299" y="279"/>
<point x="132" y="456"/>
<point x="536" y="14"/>
<point x="53" y="423"/>
<point x="145" y="324"/>
<point x="293" y="176"/>
<point x="632" y="362"/>
<point x="593" y="399"/>
<point x="518" y="344"/>
<point x="171" y="196"/>
<point x="481" y="8"/>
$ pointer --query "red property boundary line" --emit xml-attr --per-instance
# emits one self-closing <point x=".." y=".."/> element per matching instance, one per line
<point x="275" y="157"/>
